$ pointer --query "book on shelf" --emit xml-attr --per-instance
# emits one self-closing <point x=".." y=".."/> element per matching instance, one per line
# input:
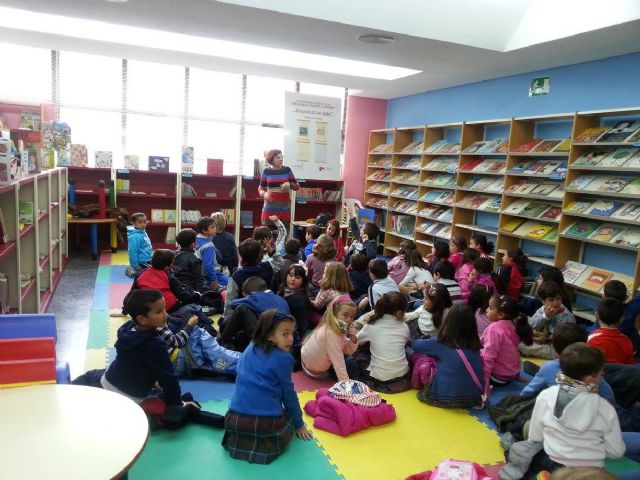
<point x="474" y="147"/>
<point x="104" y="159"/>
<point x="579" y="206"/>
<point x="122" y="185"/>
<point x="582" y="182"/>
<point x="620" y="132"/>
<point x="581" y="228"/>
<point x="157" y="215"/>
<point x="246" y="218"/>
<point x="25" y="212"/>
<point x="524" y="186"/>
<point x="512" y="224"/>
<point x="230" y="215"/>
<point x="604" y="208"/>
<point x="605" y="232"/>
<point x="591" y="159"/>
<point x="434" y="146"/>
<point x="484" y="165"/>
<point x="545" y="146"/>
<point x="549" y="168"/>
<point x="558" y="193"/>
<point x="410" y="148"/>
<point x="545" y="188"/>
<point x="383" y="148"/>
<point x="434" y="228"/>
<point x="483" y="184"/>
<point x="169" y="216"/>
<point x="170" y="236"/>
<point x="78" y="155"/>
<point x="551" y="213"/>
<point x="491" y="205"/>
<point x="517" y="207"/>
<point x="591" y="135"/>
<point x="132" y="162"/>
<point x="552" y="236"/>
<point x="596" y="279"/>
<point x="619" y="157"/>
<point x="423" y="227"/>
<point x="535" y="209"/>
<point x="629" y="211"/>
<point x="4" y="235"/>
<point x="563" y="146"/>
<point x="158" y="163"/>
<point x="403" y="224"/>
<point x="634" y="137"/>
<point x="446" y="216"/>
<point x="449" y="148"/>
<point x="527" y="146"/>
<point x="610" y="184"/>
<point x="633" y="187"/>
<point x="471" y="164"/>
<point x="409" y="163"/>
<point x="444" y="232"/>
<point x="533" y="229"/>
<point x="572" y="271"/>
<point x="628" y="237"/>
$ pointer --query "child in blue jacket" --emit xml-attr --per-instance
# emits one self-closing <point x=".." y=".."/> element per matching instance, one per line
<point x="138" y="245"/>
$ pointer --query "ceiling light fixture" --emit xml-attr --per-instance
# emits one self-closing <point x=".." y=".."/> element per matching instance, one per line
<point x="177" y="42"/>
<point x="376" y="39"/>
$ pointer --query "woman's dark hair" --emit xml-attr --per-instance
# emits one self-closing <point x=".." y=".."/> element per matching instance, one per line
<point x="389" y="303"/>
<point x="459" y="329"/>
<point x="554" y="274"/>
<point x="138" y="302"/>
<point x="508" y="307"/>
<point x="480" y="296"/>
<point x="519" y="258"/>
<point x="267" y="324"/>
<point x="413" y="258"/>
<point x="440" y="301"/>
<point x="441" y="250"/>
<point x="271" y="155"/>
<point x="485" y="246"/>
<point x="406" y="246"/>
<point x="470" y="255"/>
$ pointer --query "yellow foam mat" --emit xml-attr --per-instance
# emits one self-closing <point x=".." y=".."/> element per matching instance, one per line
<point x="95" y="358"/>
<point x="419" y="439"/>
<point x="537" y="361"/>
<point x="112" y="329"/>
<point x="120" y="258"/>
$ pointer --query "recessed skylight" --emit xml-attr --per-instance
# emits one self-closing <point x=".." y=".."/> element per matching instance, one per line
<point x="163" y="40"/>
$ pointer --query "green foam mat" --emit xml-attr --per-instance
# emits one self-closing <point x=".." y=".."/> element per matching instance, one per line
<point x="104" y="274"/>
<point x="622" y="465"/>
<point x="196" y="450"/>
<point x="98" y="329"/>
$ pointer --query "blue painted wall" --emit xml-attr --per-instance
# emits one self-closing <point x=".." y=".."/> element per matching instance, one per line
<point x="603" y="84"/>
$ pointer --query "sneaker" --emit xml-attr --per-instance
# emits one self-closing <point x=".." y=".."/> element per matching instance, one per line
<point x="530" y="367"/>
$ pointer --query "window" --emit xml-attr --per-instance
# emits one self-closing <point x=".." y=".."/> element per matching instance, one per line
<point x="154" y="87"/>
<point x="265" y="99"/>
<point x="258" y="141"/>
<point x="28" y="73"/>
<point x="215" y="95"/>
<point x="95" y="129"/>
<point x="159" y="136"/>
<point x="215" y="140"/>
<point x="90" y="80"/>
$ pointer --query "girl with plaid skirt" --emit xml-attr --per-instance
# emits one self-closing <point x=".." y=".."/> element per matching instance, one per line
<point x="264" y="412"/>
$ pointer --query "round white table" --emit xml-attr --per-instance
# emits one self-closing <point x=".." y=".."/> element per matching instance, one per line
<point x="68" y="432"/>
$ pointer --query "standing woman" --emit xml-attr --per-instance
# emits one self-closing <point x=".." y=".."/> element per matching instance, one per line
<point x="275" y="184"/>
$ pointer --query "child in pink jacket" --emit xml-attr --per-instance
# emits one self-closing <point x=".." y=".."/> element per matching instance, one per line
<point x="500" y="355"/>
<point x="462" y="274"/>
<point x="397" y="266"/>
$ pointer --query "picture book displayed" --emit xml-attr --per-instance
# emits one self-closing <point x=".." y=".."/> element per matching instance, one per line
<point x="620" y="132"/>
<point x="104" y="159"/>
<point x="132" y="162"/>
<point x="591" y="159"/>
<point x="581" y="228"/>
<point x="380" y="176"/>
<point x="246" y="218"/>
<point x="423" y="227"/>
<point x="596" y="279"/>
<point x="382" y="162"/>
<point x="532" y="229"/>
<point x="383" y="148"/>
<point x="407" y="177"/>
<point x="413" y="147"/>
<point x="609" y="184"/>
<point x="157" y="215"/>
<point x="442" y="164"/>
<point x="563" y="146"/>
<point x="546" y="146"/>
<point x="633" y="187"/>
<point x="443" y="181"/>
<point x="603" y="208"/>
<point x="552" y="213"/>
<point x="25" y="212"/>
<point x="572" y="271"/>
<point x="535" y="209"/>
<point x="524" y="186"/>
<point x="403" y="224"/>
<point x="409" y="163"/>
<point x="410" y="193"/>
<point x="527" y="146"/>
<point x="497" y="186"/>
<point x="582" y="182"/>
<point x="517" y="207"/>
<point x="605" y="232"/>
<point x="628" y="237"/>
<point x="379" y="188"/>
<point x="545" y="188"/>
<point x="493" y="205"/>
<point x="512" y="224"/>
<point x="78" y="155"/>
<point x="435" y="146"/>
<point x="590" y="135"/>
<point x="629" y="211"/>
<point x="619" y="157"/>
<point x="158" y="163"/>
<point x="579" y="206"/>
<point x="552" y="236"/>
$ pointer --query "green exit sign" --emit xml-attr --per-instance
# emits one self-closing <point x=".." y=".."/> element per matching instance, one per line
<point x="539" y="86"/>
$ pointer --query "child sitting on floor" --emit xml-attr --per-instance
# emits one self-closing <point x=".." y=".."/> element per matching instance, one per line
<point x="364" y="240"/>
<point x="397" y="266"/>
<point x="295" y="292"/>
<point x="381" y="284"/>
<point x="311" y="236"/>
<point x="483" y="274"/>
<point x="359" y="277"/>
<point x="187" y="267"/>
<point x="479" y="303"/>
<point x="334" y="283"/>
<point x="327" y="351"/>
<point x="323" y="251"/>
<point x="577" y="428"/>
<point x="457" y="245"/>
<point x="551" y="314"/>
<point x="462" y="274"/>
<point x="333" y="230"/>
<point x="444" y="274"/>
<point x="616" y="347"/>
<point x="629" y="327"/>
<point x="500" y="340"/>
<point x="417" y="275"/>
<point x="459" y="380"/>
<point x="479" y="242"/>
<point x="387" y="334"/>
<point x="514" y="262"/>
<point x="225" y="243"/>
<point x="291" y="257"/>
<point x="439" y="253"/>
<point x="426" y="320"/>
<point x="208" y="253"/>
<point x="264" y="412"/>
<point x="138" y="245"/>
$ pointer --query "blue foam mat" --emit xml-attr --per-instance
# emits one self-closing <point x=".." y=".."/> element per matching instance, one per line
<point x="205" y="390"/>
<point x="497" y="394"/>
<point x="118" y="276"/>
<point x="100" y="299"/>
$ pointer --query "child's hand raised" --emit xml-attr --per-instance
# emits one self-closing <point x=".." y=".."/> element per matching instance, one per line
<point x="304" y="433"/>
<point x="193" y="321"/>
<point x="273" y="218"/>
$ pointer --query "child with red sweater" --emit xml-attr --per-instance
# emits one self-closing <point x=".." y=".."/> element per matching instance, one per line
<point x="616" y="347"/>
<point x="514" y="263"/>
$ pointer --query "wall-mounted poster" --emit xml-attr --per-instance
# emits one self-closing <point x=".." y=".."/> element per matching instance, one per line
<point x="312" y="136"/>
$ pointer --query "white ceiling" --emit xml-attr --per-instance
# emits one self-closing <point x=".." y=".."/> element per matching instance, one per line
<point x="451" y="42"/>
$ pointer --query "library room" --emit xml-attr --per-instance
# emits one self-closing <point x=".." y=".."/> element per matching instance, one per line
<point x="320" y="241"/>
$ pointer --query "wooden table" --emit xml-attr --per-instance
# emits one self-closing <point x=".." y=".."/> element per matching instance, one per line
<point x="68" y="432"/>
<point x="94" y="222"/>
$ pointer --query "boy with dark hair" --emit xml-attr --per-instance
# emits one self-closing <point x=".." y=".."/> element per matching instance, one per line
<point x="444" y="273"/>
<point x="138" y="245"/>
<point x="208" y="253"/>
<point x="187" y="267"/>
<point x="291" y="257"/>
<point x="251" y="252"/>
<point x="364" y="240"/>
<point x="311" y="236"/>
<point x="550" y="315"/>
<point x="225" y="243"/>
<point x="359" y="277"/>
<point x="631" y="323"/>
<point x="577" y="427"/>
<point x="238" y="330"/>
<point x="615" y="346"/>
<point x="379" y="273"/>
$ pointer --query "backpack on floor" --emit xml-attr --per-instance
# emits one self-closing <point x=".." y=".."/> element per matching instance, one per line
<point x="453" y="470"/>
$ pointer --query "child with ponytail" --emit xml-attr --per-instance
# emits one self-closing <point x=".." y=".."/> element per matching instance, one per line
<point x="332" y="343"/>
<point x="462" y="274"/>
<point x="514" y="263"/>
<point x="483" y="274"/>
<point x="480" y="243"/>
<point x="457" y="246"/>
<point x="500" y="340"/>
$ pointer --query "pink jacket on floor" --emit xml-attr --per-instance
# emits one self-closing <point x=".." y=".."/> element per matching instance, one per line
<point x="343" y="418"/>
<point x="500" y="355"/>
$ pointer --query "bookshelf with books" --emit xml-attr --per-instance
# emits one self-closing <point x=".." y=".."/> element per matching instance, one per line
<point x="144" y="191"/>
<point x="315" y="197"/>
<point x="85" y="183"/>
<point x="57" y="247"/>
<point x="250" y="207"/>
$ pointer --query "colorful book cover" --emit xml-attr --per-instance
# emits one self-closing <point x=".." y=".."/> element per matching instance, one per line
<point x="25" y="212"/>
<point x="472" y="164"/>
<point x="539" y="230"/>
<point x="491" y="205"/>
<point x="563" y="146"/>
<point x="169" y="216"/>
<point x="545" y="146"/>
<point x="549" y="167"/>
<point x="551" y="213"/>
<point x="497" y="167"/>
<point x="484" y="165"/>
<point x="521" y="167"/>
<point x="535" y="168"/>
<point x="580" y="206"/>
<point x="634" y="137"/>
<point x="545" y="188"/>
<point x="527" y="146"/>
<point x="434" y="146"/>
<point x="582" y="228"/>
<point x="582" y="182"/>
<point x="591" y="135"/>
<point x="605" y="232"/>
<point x="620" y="132"/>
<point x="591" y="159"/>
<point x="104" y="159"/>
<point x="629" y="211"/>
<point x="157" y="215"/>
<point x="619" y="157"/>
<point x="596" y="280"/>
<point x="246" y="218"/>
<point x="552" y="236"/>
<point x="512" y="224"/>
<point x="572" y="271"/>
<point x="497" y="186"/>
<point x="474" y="147"/>
<point x="527" y="187"/>
<point x="517" y="207"/>
<point x="604" y="208"/>
<point x="132" y="162"/>
<point x="158" y="163"/>
<point x="629" y="237"/>
<point x="535" y="209"/>
<point x="491" y="146"/>
<point x="632" y="187"/>
<point x="188" y="159"/>
<point x="78" y="155"/>
<point x="611" y="184"/>
<point x="483" y="184"/>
